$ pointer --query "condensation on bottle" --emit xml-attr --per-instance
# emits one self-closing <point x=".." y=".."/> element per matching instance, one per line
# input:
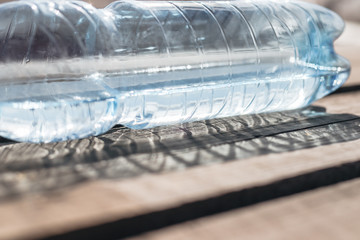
<point x="69" y="70"/>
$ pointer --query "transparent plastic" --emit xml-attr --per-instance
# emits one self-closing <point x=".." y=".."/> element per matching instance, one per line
<point x="68" y="70"/>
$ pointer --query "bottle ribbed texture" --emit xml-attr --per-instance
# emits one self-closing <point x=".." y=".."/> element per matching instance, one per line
<point x="68" y="70"/>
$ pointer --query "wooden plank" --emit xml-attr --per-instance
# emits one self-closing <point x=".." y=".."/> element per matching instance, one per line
<point x="121" y="202"/>
<point x="30" y="172"/>
<point x="123" y="153"/>
<point x="51" y="189"/>
<point x="341" y="103"/>
<point x="327" y="213"/>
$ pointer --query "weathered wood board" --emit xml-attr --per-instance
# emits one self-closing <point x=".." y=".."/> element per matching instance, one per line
<point x="301" y="155"/>
<point x="245" y="169"/>
<point x="327" y="213"/>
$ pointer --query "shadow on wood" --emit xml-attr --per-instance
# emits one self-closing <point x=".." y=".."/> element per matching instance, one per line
<point x="124" y="153"/>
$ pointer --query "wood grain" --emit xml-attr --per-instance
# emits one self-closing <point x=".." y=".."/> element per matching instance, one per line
<point x="128" y="182"/>
<point x="158" y="198"/>
<point x="88" y="187"/>
<point x="123" y="153"/>
<point x="327" y="213"/>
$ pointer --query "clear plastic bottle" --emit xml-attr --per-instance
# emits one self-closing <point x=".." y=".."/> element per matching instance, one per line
<point x="68" y="70"/>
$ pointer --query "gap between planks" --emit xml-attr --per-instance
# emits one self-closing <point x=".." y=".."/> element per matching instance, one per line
<point x="104" y="201"/>
<point x="327" y="213"/>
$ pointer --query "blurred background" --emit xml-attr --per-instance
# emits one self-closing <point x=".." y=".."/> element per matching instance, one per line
<point x="348" y="9"/>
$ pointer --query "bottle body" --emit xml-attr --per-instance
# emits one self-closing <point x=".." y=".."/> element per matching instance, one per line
<point x="145" y="64"/>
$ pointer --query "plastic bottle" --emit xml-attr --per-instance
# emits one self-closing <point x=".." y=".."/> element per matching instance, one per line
<point x="68" y="70"/>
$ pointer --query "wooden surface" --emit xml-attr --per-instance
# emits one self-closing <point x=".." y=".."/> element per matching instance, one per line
<point x="269" y="176"/>
<point x="328" y="213"/>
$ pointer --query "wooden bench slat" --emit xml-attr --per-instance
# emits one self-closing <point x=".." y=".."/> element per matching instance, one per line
<point x="102" y="201"/>
<point x="327" y="213"/>
<point x="94" y="187"/>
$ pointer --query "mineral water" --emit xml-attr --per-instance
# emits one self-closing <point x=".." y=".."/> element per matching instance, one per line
<point x="68" y="70"/>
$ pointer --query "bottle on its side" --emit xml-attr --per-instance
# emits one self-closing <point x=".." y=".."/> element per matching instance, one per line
<point x="68" y="70"/>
